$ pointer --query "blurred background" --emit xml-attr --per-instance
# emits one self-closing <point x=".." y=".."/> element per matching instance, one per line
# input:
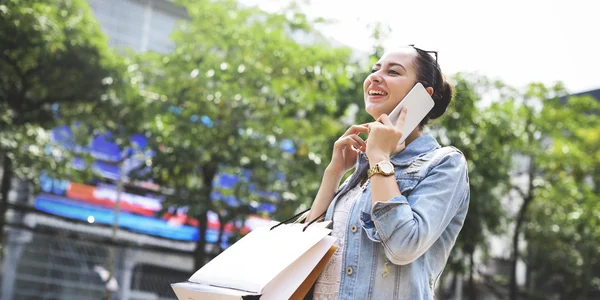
<point x="140" y="138"/>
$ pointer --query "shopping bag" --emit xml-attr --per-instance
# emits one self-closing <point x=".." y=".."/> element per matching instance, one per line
<point x="270" y="262"/>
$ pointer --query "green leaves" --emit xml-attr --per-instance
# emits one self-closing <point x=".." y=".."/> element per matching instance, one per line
<point x="53" y="52"/>
<point x="482" y="134"/>
<point x="240" y="84"/>
<point x="54" y="59"/>
<point x="560" y="135"/>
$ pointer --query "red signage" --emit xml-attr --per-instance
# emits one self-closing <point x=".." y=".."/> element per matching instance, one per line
<point x="107" y="197"/>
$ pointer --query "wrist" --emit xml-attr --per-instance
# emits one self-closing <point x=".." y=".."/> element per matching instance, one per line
<point x="375" y="158"/>
<point x="331" y="172"/>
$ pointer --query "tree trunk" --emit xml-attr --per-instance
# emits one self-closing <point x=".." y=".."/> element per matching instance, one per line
<point x="113" y="235"/>
<point x="529" y="272"/>
<point x="515" y="250"/>
<point x="452" y="290"/>
<point x="527" y="198"/>
<point x="472" y="293"/>
<point x="200" y="251"/>
<point x="208" y="175"/>
<point x="7" y="175"/>
<point x="222" y="222"/>
<point x="588" y="253"/>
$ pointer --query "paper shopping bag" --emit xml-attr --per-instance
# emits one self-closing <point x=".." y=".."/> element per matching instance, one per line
<point x="267" y="263"/>
<point x="303" y="289"/>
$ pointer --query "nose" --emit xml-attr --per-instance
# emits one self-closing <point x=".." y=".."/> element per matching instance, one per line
<point x="375" y="77"/>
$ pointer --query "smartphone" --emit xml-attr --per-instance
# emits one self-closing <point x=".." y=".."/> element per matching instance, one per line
<point x="419" y="104"/>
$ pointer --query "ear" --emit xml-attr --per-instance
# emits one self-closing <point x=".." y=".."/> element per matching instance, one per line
<point x="430" y="91"/>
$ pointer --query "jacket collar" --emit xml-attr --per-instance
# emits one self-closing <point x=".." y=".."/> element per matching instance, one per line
<point x="421" y="145"/>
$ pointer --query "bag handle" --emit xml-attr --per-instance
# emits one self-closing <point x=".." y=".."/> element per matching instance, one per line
<point x="297" y="215"/>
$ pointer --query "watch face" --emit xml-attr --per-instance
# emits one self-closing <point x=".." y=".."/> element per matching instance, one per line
<point x="387" y="167"/>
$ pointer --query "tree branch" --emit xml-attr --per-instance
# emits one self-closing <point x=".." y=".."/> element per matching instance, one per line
<point x="519" y="190"/>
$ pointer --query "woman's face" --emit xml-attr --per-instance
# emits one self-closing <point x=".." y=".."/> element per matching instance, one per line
<point x="392" y="77"/>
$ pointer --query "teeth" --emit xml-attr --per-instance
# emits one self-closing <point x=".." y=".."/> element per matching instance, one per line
<point x="376" y="92"/>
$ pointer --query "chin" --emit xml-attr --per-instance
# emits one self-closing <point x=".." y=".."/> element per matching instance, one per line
<point x="375" y="110"/>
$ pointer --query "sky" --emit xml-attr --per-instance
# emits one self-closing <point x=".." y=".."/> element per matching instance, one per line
<point x="517" y="42"/>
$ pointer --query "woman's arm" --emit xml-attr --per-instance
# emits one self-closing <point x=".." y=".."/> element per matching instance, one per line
<point x="407" y="230"/>
<point x="345" y="152"/>
<point x="329" y="185"/>
<point x="383" y="188"/>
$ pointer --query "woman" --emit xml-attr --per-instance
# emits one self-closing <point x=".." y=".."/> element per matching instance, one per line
<point x="395" y="229"/>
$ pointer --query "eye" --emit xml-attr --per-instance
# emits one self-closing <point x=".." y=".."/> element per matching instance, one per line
<point x="373" y="71"/>
<point x="393" y="72"/>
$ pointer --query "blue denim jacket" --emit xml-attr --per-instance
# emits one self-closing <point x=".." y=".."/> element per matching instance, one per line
<point x="398" y="249"/>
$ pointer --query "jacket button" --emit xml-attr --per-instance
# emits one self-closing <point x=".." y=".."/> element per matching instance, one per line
<point x="349" y="270"/>
<point x="353" y="228"/>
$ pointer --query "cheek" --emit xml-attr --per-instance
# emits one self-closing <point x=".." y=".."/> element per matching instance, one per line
<point x="400" y="88"/>
<point x="366" y="84"/>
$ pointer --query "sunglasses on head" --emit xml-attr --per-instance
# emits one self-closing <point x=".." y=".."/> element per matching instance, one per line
<point x="435" y="55"/>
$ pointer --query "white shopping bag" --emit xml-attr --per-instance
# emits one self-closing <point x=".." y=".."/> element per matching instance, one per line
<point x="265" y="264"/>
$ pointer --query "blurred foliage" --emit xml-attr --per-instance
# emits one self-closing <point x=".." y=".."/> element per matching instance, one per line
<point x="480" y="133"/>
<point x="562" y="230"/>
<point x="51" y="53"/>
<point x="240" y="88"/>
<point x="54" y="60"/>
<point x="236" y="87"/>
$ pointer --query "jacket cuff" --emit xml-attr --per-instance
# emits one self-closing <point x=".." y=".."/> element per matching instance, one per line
<point x="374" y="222"/>
<point x="381" y="208"/>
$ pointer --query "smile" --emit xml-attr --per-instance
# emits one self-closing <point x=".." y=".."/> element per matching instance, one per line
<point x="375" y="92"/>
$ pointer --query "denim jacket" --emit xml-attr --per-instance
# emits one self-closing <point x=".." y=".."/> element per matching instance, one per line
<point x="398" y="249"/>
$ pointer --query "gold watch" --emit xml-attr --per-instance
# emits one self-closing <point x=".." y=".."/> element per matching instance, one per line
<point x="384" y="168"/>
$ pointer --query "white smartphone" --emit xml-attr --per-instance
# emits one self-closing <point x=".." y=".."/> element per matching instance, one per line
<point x="419" y="104"/>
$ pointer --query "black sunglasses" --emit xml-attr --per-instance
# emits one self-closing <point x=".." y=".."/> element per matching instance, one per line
<point x="435" y="54"/>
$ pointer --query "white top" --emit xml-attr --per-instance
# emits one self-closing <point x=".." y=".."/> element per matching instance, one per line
<point x="328" y="283"/>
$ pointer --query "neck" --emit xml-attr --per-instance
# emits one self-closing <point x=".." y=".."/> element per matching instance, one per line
<point x="413" y="136"/>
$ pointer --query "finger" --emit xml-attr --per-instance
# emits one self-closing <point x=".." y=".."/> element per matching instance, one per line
<point x="385" y="120"/>
<point x="348" y="141"/>
<point x="402" y="118"/>
<point x="362" y="145"/>
<point x="355" y="129"/>
<point x="374" y="125"/>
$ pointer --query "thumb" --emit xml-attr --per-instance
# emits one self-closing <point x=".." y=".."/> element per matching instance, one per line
<point x="402" y="118"/>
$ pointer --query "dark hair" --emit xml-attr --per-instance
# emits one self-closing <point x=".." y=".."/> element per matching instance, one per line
<point x="430" y="75"/>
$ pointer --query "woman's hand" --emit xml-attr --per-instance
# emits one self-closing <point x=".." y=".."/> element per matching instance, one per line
<point x="346" y="148"/>
<point x="383" y="138"/>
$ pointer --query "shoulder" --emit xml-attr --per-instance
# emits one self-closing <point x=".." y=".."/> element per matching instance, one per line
<point x="447" y="153"/>
<point x="447" y="157"/>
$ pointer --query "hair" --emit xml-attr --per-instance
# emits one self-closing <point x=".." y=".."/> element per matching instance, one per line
<point x="430" y="75"/>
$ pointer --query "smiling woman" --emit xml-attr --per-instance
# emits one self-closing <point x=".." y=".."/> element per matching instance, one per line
<point x="396" y="73"/>
<point x="397" y="217"/>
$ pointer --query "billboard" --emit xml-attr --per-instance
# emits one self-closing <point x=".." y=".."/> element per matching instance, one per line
<point x="141" y="204"/>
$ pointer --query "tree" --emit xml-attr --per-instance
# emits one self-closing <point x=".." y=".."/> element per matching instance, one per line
<point x="243" y="93"/>
<point x="53" y="53"/>
<point x="480" y="133"/>
<point x="529" y="156"/>
<point x="562" y="236"/>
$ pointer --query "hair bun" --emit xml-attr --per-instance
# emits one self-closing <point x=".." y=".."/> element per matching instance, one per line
<point x="442" y="100"/>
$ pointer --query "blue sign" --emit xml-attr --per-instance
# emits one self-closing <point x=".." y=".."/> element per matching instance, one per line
<point x="87" y="212"/>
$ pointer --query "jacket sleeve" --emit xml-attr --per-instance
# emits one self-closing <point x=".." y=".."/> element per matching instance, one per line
<point x="406" y="230"/>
